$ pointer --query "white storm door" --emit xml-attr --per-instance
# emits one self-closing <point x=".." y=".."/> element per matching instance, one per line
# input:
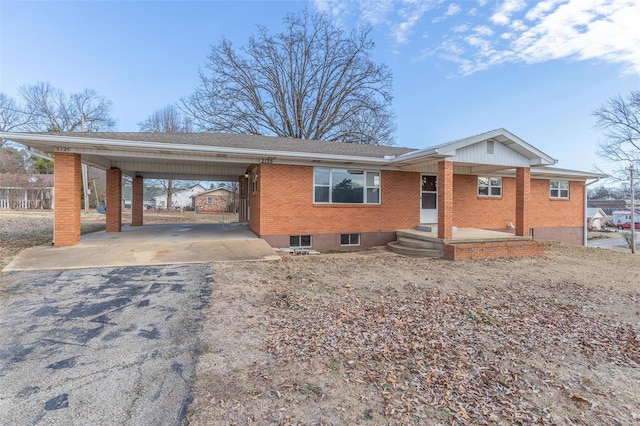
<point x="429" y="199"/>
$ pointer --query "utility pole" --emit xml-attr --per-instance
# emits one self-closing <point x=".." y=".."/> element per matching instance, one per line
<point x="633" y="210"/>
<point x="85" y="173"/>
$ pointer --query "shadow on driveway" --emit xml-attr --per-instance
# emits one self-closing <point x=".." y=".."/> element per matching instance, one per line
<point x="100" y="346"/>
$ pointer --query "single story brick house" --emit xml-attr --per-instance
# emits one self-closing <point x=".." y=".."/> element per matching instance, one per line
<point x="215" y="200"/>
<point x="26" y="191"/>
<point x="326" y="195"/>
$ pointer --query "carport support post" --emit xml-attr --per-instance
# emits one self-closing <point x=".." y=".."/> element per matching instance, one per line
<point x="445" y="200"/>
<point x="114" y="200"/>
<point x="523" y="191"/>
<point x="67" y="184"/>
<point x="137" y="200"/>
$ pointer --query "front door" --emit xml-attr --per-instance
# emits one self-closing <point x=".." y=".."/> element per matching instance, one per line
<point x="429" y="199"/>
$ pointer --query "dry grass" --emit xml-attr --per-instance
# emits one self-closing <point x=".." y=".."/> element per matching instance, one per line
<point x="380" y="339"/>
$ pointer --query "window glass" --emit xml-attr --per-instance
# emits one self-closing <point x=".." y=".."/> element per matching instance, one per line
<point x="300" y="241"/>
<point x="346" y="186"/>
<point x="321" y="177"/>
<point x="559" y="189"/>
<point x="490" y="186"/>
<point x="350" y="239"/>
<point x="373" y="195"/>
<point x="373" y="179"/>
<point x="321" y="194"/>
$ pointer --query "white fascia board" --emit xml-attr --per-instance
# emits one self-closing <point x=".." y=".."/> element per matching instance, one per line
<point x="204" y="149"/>
<point x="550" y="172"/>
<point x="420" y="155"/>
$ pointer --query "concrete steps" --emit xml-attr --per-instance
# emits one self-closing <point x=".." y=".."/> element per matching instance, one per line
<point x="399" y="248"/>
<point x="416" y="243"/>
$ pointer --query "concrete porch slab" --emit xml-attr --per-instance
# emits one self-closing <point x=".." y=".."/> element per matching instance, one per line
<point x="464" y="235"/>
<point x="150" y="245"/>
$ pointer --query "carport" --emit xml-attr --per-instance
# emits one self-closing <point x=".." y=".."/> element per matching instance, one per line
<point x="140" y="156"/>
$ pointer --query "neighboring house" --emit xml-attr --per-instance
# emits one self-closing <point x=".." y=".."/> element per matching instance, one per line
<point x="180" y="199"/>
<point x="329" y="195"/>
<point x="214" y="200"/>
<point x="607" y="205"/>
<point x="26" y="191"/>
<point x="596" y="218"/>
<point x="622" y="216"/>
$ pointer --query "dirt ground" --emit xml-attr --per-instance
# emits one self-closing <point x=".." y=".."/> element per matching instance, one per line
<point x="373" y="338"/>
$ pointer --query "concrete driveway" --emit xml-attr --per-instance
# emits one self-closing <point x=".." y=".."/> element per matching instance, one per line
<point x="158" y="244"/>
<point x="100" y="346"/>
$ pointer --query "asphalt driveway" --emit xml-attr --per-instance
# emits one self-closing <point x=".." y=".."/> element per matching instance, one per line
<point x="100" y="346"/>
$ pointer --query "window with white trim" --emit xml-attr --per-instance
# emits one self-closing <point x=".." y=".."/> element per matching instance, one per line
<point x="300" y="241"/>
<point x="489" y="186"/>
<point x="559" y="189"/>
<point x="350" y="239"/>
<point x="346" y="186"/>
<point x="209" y="199"/>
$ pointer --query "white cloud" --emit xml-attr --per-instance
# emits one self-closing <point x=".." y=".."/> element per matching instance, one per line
<point x="515" y="31"/>
<point x="453" y="9"/>
<point x="555" y="29"/>
<point x="483" y="31"/>
<point x="502" y="15"/>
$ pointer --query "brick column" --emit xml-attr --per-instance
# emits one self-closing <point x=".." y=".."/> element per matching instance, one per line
<point x="137" y="201"/>
<point x="114" y="200"/>
<point x="523" y="191"/>
<point x="67" y="183"/>
<point x="445" y="200"/>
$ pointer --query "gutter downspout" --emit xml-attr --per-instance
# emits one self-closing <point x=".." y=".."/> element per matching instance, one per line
<point x="585" y="233"/>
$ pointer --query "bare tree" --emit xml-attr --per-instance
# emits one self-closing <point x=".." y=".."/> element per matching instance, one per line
<point x="12" y="116"/>
<point x="619" y="120"/>
<point x="311" y="81"/>
<point x="51" y="110"/>
<point x="167" y="120"/>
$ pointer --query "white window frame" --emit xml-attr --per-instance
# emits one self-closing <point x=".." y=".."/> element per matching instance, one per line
<point x="351" y="238"/>
<point x="209" y="200"/>
<point x="558" y="189"/>
<point x="299" y="237"/>
<point x="490" y="186"/>
<point x="365" y="188"/>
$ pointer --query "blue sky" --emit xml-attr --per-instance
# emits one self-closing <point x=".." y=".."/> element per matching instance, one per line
<point x="536" y="68"/>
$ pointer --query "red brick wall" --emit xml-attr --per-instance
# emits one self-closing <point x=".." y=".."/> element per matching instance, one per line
<point x="67" y="181"/>
<point x="472" y="211"/>
<point x="254" y="201"/>
<point x="493" y="250"/>
<point x="446" y="189"/>
<point x="219" y="202"/>
<point x="137" y="200"/>
<point x="114" y="200"/>
<point x="285" y="204"/>
<point x="555" y="212"/>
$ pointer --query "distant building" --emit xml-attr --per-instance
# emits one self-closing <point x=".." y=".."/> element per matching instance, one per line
<point x="607" y="205"/>
<point x="596" y="218"/>
<point x="214" y="200"/>
<point x="26" y="191"/>
<point x="180" y="199"/>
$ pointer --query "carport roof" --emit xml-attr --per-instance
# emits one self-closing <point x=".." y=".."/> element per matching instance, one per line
<point x="225" y="156"/>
